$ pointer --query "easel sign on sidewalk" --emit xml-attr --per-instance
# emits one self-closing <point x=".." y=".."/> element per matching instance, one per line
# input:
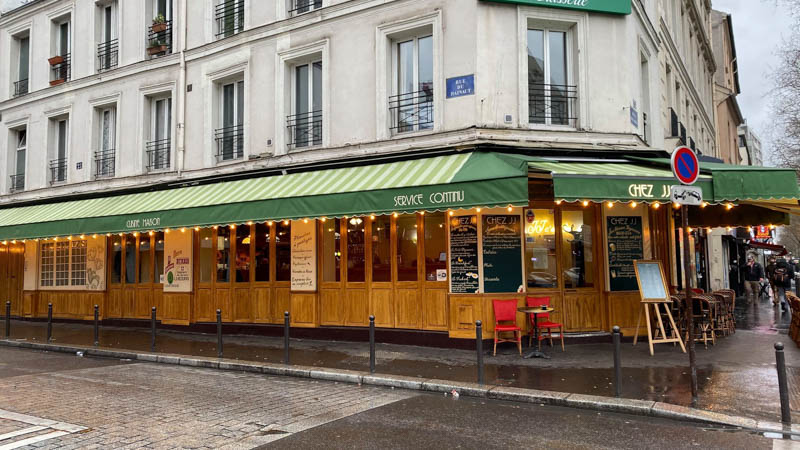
<point x="654" y="292"/>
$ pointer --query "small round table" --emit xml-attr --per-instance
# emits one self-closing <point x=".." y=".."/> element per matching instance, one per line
<point x="535" y="311"/>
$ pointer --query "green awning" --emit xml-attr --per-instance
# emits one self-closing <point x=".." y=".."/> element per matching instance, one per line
<point x="611" y="181"/>
<point x="437" y="183"/>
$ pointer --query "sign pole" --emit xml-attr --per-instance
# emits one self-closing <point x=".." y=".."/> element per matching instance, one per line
<point x="689" y="306"/>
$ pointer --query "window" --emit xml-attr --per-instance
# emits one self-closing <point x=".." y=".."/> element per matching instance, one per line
<point x="159" y="35"/>
<point x="18" y="178"/>
<point x="435" y="245"/>
<point x="550" y="96"/>
<point x="108" y="47"/>
<point x="230" y="137"/>
<point x="283" y="251"/>
<point x="243" y="254"/>
<point x="305" y="124"/>
<point x="145" y="263"/>
<point x="23" y="68"/>
<point x="407" y="248"/>
<point x="105" y="156"/>
<point x="63" y="263"/>
<point x="382" y="249"/>
<point x="60" y="62"/>
<point x="58" y="165"/>
<point x="644" y="85"/>
<point x="206" y="256"/>
<point x="577" y="240"/>
<point x="116" y="259"/>
<point x="303" y="6"/>
<point x="411" y="105"/>
<point x="540" y="249"/>
<point x="158" y="261"/>
<point x="356" y="258"/>
<point x="261" y="261"/>
<point x="130" y="258"/>
<point x="229" y="15"/>
<point x="159" y="146"/>
<point x="223" y="254"/>
<point x="331" y="250"/>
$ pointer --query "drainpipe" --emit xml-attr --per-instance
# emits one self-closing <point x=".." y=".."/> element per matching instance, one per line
<point x="181" y="94"/>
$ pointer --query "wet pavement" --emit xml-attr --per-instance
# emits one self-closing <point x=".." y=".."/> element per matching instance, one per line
<point x="736" y="376"/>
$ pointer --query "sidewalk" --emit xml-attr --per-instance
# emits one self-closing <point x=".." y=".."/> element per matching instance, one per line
<point x="737" y="376"/>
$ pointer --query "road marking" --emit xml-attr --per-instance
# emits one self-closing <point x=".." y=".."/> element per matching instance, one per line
<point x="28" y="430"/>
<point x="33" y="440"/>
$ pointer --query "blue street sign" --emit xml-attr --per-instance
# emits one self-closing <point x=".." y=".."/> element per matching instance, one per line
<point x="460" y="86"/>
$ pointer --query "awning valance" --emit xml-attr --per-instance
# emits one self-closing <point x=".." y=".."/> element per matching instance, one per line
<point x="436" y="183"/>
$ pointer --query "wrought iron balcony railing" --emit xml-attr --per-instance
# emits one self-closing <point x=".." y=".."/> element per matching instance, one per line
<point x="62" y="71"/>
<point x="158" y="154"/>
<point x="18" y="182"/>
<point x="673" y="123"/>
<point x="108" y="54"/>
<point x="58" y="170"/>
<point x="305" y="129"/>
<point x="412" y="111"/>
<point x="552" y="104"/>
<point x="682" y="132"/>
<point x="229" y="16"/>
<point x="230" y="142"/>
<point x="104" y="163"/>
<point x="20" y="87"/>
<point x="303" y="6"/>
<point x="159" y="38"/>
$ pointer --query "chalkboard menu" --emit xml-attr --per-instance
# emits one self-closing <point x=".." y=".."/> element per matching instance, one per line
<point x="464" y="255"/>
<point x="625" y="245"/>
<point x="502" y="253"/>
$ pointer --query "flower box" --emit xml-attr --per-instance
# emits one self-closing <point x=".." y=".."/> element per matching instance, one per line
<point x="159" y="27"/>
<point x="55" y="60"/>
<point x="156" y="49"/>
<point x="57" y="82"/>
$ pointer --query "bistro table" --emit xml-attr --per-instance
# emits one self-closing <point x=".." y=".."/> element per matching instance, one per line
<point x="535" y="311"/>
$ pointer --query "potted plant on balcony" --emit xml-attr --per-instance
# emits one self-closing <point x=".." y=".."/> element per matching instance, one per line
<point x="55" y="60"/>
<point x="156" y="47"/>
<point x="57" y="81"/>
<point x="159" y="24"/>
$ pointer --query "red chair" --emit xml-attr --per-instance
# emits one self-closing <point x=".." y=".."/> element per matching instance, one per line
<point x="697" y="291"/>
<point x="506" y="311"/>
<point x="545" y="324"/>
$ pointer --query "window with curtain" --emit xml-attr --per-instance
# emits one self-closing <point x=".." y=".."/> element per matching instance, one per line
<point x="158" y="259"/>
<point x="223" y="257"/>
<point x="116" y="259"/>
<point x="206" y="258"/>
<point x="145" y="261"/>
<point x="243" y="254"/>
<point x="283" y="251"/>
<point x="356" y="260"/>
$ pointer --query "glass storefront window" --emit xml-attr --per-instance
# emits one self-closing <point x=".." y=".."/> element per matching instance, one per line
<point x="223" y="256"/>
<point x="577" y="246"/>
<point x="116" y="259"/>
<point x="159" y="257"/>
<point x="435" y="245"/>
<point x="382" y="249"/>
<point x="283" y="251"/>
<point x="145" y="266"/>
<point x="540" y="248"/>
<point x="130" y="259"/>
<point x="355" y="250"/>
<point x="407" y="248"/>
<point x="262" y="252"/>
<point x="331" y="250"/>
<point x="243" y="254"/>
<point x="206" y="256"/>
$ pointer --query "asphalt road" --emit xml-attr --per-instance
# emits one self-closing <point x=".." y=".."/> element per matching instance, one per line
<point x="133" y="405"/>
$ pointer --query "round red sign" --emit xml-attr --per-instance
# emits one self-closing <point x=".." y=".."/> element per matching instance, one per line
<point x="685" y="165"/>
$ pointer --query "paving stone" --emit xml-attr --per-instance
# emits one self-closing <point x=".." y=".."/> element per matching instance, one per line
<point x="470" y="389"/>
<point x="622" y="405"/>
<point x="528" y="395"/>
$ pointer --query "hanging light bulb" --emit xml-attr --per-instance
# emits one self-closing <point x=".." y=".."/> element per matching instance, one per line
<point x="586" y="203"/>
<point x="633" y="204"/>
<point x="610" y="205"/>
<point x="656" y="205"/>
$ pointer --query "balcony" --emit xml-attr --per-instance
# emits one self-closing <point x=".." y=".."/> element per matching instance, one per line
<point x="305" y="129"/>
<point x="230" y="143"/>
<point x="158" y="155"/>
<point x="229" y="16"/>
<point x="18" y="182"/>
<point x="682" y="134"/>
<point x="673" y="124"/>
<point x="412" y="111"/>
<point x="692" y="145"/>
<point x="61" y="67"/>
<point x="303" y="6"/>
<point x="159" y="38"/>
<point x="20" y="87"/>
<point x="58" y="170"/>
<point x="104" y="163"/>
<point x="108" y="54"/>
<point x="552" y="104"/>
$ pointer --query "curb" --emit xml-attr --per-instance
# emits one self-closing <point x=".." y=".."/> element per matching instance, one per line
<point x="522" y="395"/>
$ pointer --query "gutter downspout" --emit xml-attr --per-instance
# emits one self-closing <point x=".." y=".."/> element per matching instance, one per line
<point x="181" y="94"/>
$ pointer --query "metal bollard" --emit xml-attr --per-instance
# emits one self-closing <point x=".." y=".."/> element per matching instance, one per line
<point x="479" y="347"/>
<point x="8" y="319"/>
<point x="96" y="325"/>
<point x="371" y="344"/>
<point x="49" y="322"/>
<point x="783" y="387"/>
<point x="153" y="329"/>
<point x="617" y="363"/>
<point x="286" y="337"/>
<point x="219" y="333"/>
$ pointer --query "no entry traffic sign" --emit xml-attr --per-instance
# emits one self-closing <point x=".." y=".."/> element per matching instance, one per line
<point x="685" y="165"/>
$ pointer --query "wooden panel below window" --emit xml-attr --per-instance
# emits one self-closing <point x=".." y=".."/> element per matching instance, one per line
<point x="176" y="308"/>
<point x="113" y="303"/>
<point x="435" y="309"/>
<point x="331" y="307"/>
<point x="357" y="307"/>
<point x="584" y="311"/>
<point x="29" y="303"/>
<point x="381" y="306"/>
<point x="128" y="302"/>
<point x="464" y="311"/>
<point x="556" y="302"/>
<point x="204" y="310"/>
<point x="261" y="298"/>
<point x="283" y="303"/>
<point x="222" y="301"/>
<point x="408" y="309"/>
<point x="243" y="308"/>
<point x="624" y="309"/>
<point x="304" y="309"/>
<point x="144" y="303"/>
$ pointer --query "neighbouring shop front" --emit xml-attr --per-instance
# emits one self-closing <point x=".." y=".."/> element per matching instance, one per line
<point x="422" y="244"/>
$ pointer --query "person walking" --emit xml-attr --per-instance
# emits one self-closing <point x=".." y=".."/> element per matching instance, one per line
<point x="770" y="272"/>
<point x="753" y="276"/>
<point x="784" y="273"/>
